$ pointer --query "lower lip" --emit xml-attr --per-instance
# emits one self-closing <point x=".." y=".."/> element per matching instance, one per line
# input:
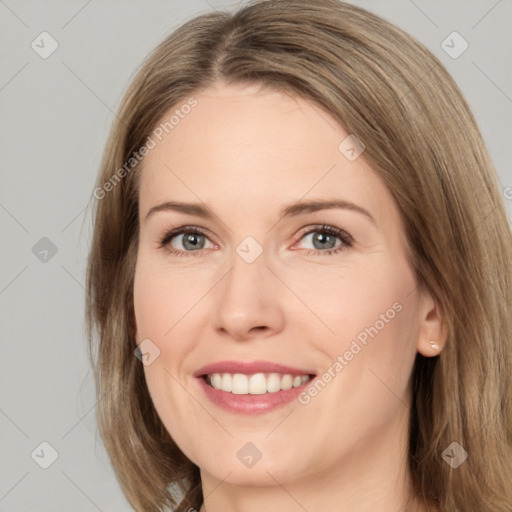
<point x="251" y="404"/>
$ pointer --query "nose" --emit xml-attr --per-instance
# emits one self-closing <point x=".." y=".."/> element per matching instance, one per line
<point x="248" y="301"/>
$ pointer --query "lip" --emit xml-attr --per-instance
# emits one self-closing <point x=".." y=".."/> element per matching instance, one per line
<point x="250" y="404"/>
<point x="250" y="367"/>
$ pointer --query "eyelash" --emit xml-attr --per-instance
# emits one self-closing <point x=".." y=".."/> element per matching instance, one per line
<point x="346" y="239"/>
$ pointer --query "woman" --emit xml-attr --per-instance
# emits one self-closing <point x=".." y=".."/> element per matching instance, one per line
<point x="300" y="274"/>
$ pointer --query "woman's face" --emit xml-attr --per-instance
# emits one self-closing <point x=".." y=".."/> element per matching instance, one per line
<point x="271" y="291"/>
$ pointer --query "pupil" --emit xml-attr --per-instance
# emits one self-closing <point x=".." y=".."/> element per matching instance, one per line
<point x="191" y="240"/>
<point x="322" y="238"/>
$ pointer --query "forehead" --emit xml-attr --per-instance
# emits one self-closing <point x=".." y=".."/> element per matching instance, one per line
<point x="252" y="145"/>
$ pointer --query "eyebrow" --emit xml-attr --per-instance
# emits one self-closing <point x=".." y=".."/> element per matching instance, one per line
<point x="200" y="210"/>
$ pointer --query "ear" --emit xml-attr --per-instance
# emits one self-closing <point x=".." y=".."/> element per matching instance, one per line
<point x="433" y="329"/>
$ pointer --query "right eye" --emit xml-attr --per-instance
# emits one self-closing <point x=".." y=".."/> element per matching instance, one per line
<point x="191" y="238"/>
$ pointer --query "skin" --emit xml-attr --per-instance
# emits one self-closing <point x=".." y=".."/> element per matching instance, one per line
<point x="295" y="304"/>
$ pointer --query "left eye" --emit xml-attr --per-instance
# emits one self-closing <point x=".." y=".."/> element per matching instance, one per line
<point x="324" y="238"/>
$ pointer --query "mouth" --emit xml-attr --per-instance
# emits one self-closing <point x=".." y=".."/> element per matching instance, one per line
<point x="256" y="383"/>
<point x="252" y="387"/>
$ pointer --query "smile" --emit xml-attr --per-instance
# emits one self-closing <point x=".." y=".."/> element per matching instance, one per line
<point x="252" y="387"/>
<point x="255" y="384"/>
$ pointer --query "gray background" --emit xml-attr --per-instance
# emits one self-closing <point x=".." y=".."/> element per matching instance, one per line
<point x="56" y="113"/>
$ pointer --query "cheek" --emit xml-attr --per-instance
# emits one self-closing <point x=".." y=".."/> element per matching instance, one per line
<point x="160" y="311"/>
<point x="161" y="300"/>
<point x="374" y="328"/>
<point x="374" y="350"/>
<point x="357" y="301"/>
<point x="173" y="405"/>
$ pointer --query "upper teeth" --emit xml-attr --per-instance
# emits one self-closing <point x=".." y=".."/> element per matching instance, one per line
<point x="256" y="384"/>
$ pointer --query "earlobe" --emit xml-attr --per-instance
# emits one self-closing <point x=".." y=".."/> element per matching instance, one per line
<point x="431" y="346"/>
<point x="434" y="345"/>
<point x="429" y="349"/>
<point x="432" y="334"/>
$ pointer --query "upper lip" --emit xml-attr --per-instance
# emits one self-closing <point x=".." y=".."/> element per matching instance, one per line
<point x="249" y="368"/>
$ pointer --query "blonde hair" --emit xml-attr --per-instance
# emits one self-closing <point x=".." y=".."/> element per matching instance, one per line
<point x="422" y="139"/>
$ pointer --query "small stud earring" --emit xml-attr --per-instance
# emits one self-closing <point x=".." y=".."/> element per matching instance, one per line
<point x="433" y="345"/>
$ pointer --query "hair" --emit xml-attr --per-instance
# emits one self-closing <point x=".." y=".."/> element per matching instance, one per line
<point x="423" y="141"/>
